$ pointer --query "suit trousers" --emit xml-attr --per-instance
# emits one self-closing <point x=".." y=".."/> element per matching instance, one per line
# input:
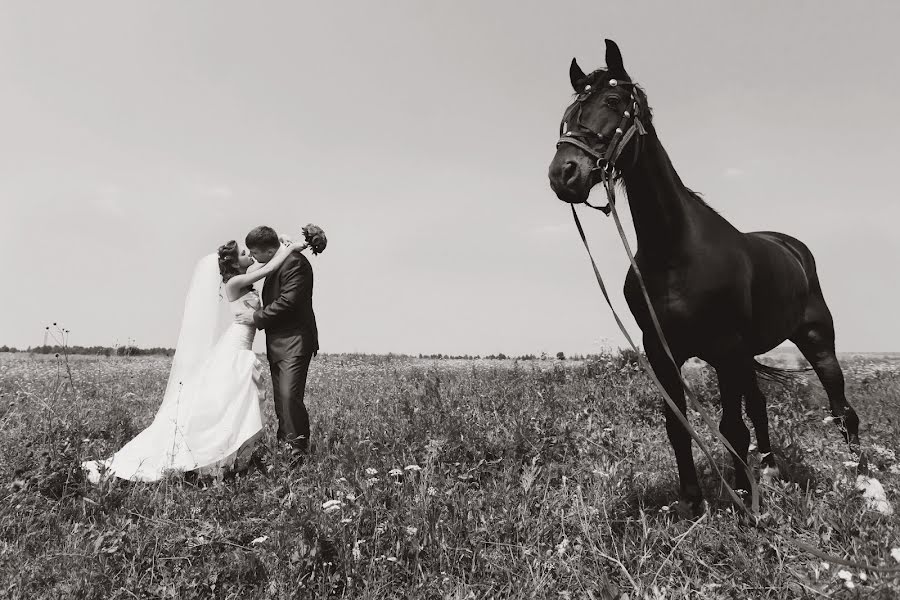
<point x="289" y="387"/>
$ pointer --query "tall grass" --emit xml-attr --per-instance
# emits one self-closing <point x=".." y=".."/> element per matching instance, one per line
<point x="433" y="479"/>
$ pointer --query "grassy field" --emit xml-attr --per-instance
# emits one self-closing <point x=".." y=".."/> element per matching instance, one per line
<point x="437" y="479"/>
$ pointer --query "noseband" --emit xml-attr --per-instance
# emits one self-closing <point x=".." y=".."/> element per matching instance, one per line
<point x="581" y="135"/>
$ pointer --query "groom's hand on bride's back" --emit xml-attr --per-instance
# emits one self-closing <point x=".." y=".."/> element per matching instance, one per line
<point x="244" y="318"/>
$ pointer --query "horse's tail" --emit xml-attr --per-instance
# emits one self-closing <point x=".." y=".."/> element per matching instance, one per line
<point x="778" y="375"/>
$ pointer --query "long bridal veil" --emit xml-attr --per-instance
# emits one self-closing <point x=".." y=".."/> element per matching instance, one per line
<point x="205" y="318"/>
<point x="187" y="431"/>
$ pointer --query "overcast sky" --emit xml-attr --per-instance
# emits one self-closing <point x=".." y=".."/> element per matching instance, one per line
<point x="136" y="137"/>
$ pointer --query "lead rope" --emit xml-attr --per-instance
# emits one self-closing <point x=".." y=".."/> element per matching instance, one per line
<point x="753" y="512"/>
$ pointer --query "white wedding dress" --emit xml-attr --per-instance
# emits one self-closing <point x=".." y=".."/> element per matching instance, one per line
<point x="210" y="418"/>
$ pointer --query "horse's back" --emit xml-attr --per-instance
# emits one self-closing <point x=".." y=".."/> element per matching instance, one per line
<point x="790" y="244"/>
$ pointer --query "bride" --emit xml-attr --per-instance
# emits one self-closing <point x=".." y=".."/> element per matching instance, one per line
<point x="210" y="416"/>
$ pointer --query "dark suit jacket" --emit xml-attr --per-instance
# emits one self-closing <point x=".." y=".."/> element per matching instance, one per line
<point x="287" y="312"/>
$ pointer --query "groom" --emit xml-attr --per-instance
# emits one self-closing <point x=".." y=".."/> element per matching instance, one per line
<point x="291" y="335"/>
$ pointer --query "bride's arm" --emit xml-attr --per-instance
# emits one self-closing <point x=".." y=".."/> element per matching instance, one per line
<point x="250" y="277"/>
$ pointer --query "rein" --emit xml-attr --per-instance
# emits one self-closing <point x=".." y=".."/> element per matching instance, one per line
<point x="753" y="511"/>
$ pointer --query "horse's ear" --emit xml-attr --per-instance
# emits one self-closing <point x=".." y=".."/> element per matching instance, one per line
<point x="614" y="59"/>
<point x="576" y="75"/>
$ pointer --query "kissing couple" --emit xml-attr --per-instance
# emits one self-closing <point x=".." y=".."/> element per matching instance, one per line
<point x="210" y="418"/>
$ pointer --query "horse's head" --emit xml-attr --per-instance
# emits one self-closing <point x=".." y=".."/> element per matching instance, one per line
<point x="597" y="128"/>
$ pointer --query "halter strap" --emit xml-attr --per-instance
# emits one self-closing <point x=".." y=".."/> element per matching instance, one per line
<point x="607" y="161"/>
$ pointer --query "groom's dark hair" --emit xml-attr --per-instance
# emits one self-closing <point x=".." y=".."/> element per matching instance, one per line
<point x="262" y="238"/>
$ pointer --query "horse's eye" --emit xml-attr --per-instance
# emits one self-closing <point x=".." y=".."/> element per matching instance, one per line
<point x="612" y="102"/>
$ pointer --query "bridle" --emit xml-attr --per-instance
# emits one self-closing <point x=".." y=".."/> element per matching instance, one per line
<point x="588" y="140"/>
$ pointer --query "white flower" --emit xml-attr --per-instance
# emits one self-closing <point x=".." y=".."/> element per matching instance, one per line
<point x="371" y="472"/>
<point x="562" y="547"/>
<point x="259" y="540"/>
<point x="829" y="419"/>
<point x="411" y="531"/>
<point x="357" y="554"/>
<point x="895" y="554"/>
<point x="371" y="481"/>
<point x="431" y="491"/>
<point x="873" y="494"/>
<point x="350" y="497"/>
<point x="412" y="468"/>
<point x="331" y="506"/>
<point x="395" y="472"/>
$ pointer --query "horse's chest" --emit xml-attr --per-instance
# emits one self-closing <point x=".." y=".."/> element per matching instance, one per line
<point x="673" y="295"/>
<point x="693" y="306"/>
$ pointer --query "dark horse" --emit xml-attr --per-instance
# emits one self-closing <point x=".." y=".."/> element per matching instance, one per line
<point x="721" y="295"/>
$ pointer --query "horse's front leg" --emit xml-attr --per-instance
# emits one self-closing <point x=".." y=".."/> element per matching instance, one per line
<point x="670" y="378"/>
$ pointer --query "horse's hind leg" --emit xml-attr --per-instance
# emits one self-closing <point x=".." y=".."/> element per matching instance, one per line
<point x="732" y="385"/>
<point x="815" y="339"/>
<point x="756" y="410"/>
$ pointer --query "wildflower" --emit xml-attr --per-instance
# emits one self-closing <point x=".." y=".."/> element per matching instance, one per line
<point x="345" y="521"/>
<point x="395" y="472"/>
<point x="433" y="492"/>
<point x="562" y="547"/>
<point x="371" y="472"/>
<point x="259" y="540"/>
<point x="895" y="554"/>
<point x="847" y="576"/>
<point x="372" y="481"/>
<point x="873" y="494"/>
<point x="827" y="420"/>
<point x="412" y="530"/>
<point x="412" y="468"/>
<point x="357" y="553"/>
<point x="331" y="506"/>
<point x="350" y="498"/>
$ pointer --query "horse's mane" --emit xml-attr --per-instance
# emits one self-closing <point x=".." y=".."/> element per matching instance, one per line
<point x="601" y="76"/>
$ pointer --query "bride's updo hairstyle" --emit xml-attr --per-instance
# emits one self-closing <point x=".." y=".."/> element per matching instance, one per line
<point x="228" y="260"/>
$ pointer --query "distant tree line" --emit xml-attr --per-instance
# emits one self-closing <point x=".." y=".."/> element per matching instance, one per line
<point x="94" y="350"/>
<point x="501" y="356"/>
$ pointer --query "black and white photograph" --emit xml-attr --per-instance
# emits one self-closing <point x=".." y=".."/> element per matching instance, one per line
<point x="449" y="300"/>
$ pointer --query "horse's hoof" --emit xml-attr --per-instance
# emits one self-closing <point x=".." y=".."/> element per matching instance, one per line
<point x="690" y="508"/>
<point x="769" y="475"/>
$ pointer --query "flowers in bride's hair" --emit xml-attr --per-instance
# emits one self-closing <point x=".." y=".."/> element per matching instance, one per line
<point x="315" y="238"/>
